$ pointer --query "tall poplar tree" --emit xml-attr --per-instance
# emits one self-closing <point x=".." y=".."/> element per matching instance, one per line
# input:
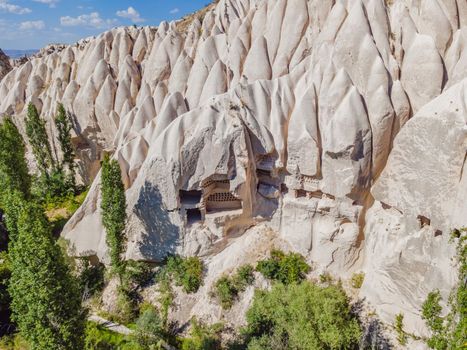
<point x="64" y="127"/>
<point x="113" y="207"/>
<point x="46" y="301"/>
<point x="14" y="174"/>
<point x="38" y="139"/>
<point x="15" y="184"/>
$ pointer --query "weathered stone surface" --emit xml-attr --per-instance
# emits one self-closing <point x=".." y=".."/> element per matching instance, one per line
<point x="5" y="66"/>
<point x="333" y="125"/>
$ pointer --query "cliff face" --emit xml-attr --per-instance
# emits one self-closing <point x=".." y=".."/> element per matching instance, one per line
<point x="5" y="65"/>
<point x="333" y="128"/>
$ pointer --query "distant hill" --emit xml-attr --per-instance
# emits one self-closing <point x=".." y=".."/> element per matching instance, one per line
<point x="20" y="53"/>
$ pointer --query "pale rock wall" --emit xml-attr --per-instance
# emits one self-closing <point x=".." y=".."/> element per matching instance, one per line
<point x="356" y="107"/>
<point x="5" y="66"/>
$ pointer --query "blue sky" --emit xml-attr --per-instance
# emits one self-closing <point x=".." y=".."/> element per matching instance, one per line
<point x="31" y="24"/>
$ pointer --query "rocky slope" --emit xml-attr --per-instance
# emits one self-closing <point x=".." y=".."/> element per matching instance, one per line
<point x="5" y="66"/>
<point x="333" y="128"/>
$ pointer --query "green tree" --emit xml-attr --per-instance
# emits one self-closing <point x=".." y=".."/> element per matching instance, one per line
<point x="64" y="127"/>
<point x="301" y="316"/>
<point x="38" y="139"/>
<point x="13" y="167"/>
<point x="46" y="301"/>
<point x="149" y="329"/>
<point x="113" y="207"/>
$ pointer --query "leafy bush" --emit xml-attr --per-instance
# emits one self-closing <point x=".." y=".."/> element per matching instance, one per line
<point x="91" y="278"/>
<point x="13" y="342"/>
<point x="244" y="277"/>
<point x="187" y="272"/>
<point x="5" y="274"/>
<point x="100" y="338"/>
<point x="137" y="273"/>
<point x="357" y="280"/>
<point x="166" y="298"/>
<point x="226" y="292"/>
<point x="325" y="278"/>
<point x="127" y="305"/>
<point x="203" y="337"/>
<point x="227" y="288"/>
<point x="285" y="268"/>
<point x="301" y="316"/>
<point x="149" y="328"/>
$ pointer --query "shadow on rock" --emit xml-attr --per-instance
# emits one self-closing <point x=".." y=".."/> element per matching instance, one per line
<point x="161" y="235"/>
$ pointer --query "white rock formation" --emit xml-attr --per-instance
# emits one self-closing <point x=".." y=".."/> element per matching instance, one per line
<point x="338" y="125"/>
<point x="5" y="65"/>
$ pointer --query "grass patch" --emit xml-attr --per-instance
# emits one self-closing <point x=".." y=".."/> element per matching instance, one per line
<point x="357" y="280"/>
<point x="61" y="210"/>
<point x="399" y="327"/>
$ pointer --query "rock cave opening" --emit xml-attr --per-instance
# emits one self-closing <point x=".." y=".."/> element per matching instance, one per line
<point x="190" y="197"/>
<point x="300" y="193"/>
<point x="423" y="221"/>
<point x="193" y="215"/>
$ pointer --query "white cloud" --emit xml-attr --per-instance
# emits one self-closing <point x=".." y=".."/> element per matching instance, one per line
<point x="51" y="3"/>
<point x="5" y="6"/>
<point x="175" y="10"/>
<point x="131" y="14"/>
<point x="29" y="25"/>
<point x="91" y="20"/>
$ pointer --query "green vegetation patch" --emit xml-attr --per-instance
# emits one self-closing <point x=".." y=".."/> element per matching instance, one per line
<point x="357" y="280"/>
<point x="100" y="338"/>
<point x="203" y="337"/>
<point x="301" y="316"/>
<point x="227" y="289"/>
<point x="450" y="331"/>
<point x="286" y="268"/>
<point x="186" y="272"/>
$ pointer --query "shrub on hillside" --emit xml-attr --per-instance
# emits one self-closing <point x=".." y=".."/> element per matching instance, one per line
<point x="227" y="289"/>
<point x="99" y="338"/>
<point x="187" y="272"/>
<point x="285" y="268"/>
<point x="149" y="328"/>
<point x="203" y="337"/>
<point x="91" y="278"/>
<point x="301" y="316"/>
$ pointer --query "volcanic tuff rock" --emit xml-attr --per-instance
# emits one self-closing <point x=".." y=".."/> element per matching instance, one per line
<point x="5" y="65"/>
<point x="337" y="128"/>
